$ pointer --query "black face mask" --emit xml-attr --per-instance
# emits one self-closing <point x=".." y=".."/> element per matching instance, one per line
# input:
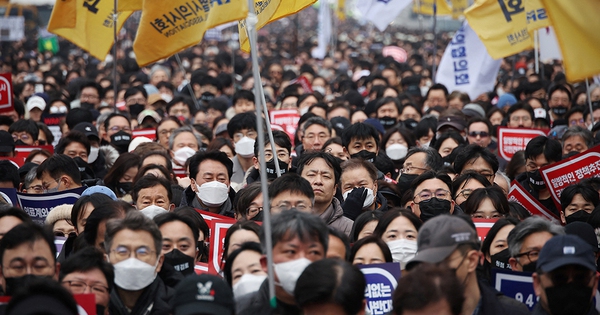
<point x="500" y="259"/>
<point x="258" y="217"/>
<point x="14" y="283"/>
<point x="365" y="155"/>
<point x="560" y="110"/>
<point x="180" y="261"/>
<point x="272" y="171"/>
<point x="120" y="141"/>
<point x="434" y="207"/>
<point x="136" y="109"/>
<point x="207" y="97"/>
<point x="86" y="105"/>
<point x="387" y="122"/>
<point x="410" y="123"/>
<point x="535" y="180"/>
<point x="530" y="267"/>
<point x="581" y="215"/>
<point x="20" y="142"/>
<point x="124" y="188"/>
<point x="570" y="298"/>
<point x="405" y="180"/>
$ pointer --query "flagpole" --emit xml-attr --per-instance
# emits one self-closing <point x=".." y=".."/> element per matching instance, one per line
<point x="189" y="85"/>
<point x="536" y="51"/>
<point x="420" y="16"/>
<point x="434" y="40"/>
<point x="251" y="22"/>
<point x="589" y="98"/>
<point x="115" y="89"/>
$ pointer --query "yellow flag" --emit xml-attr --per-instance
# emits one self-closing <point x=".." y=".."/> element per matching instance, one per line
<point x="577" y="26"/>
<point x="426" y="7"/>
<point x="168" y="27"/>
<point x="458" y="8"/>
<point x="93" y="30"/>
<point x="501" y="25"/>
<point x="63" y="14"/>
<point x="129" y="5"/>
<point x="536" y="15"/>
<point x="341" y="10"/>
<point x="268" y="11"/>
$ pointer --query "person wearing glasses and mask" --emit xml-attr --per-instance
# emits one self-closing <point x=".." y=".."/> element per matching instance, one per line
<point x="432" y="195"/>
<point x="526" y="240"/>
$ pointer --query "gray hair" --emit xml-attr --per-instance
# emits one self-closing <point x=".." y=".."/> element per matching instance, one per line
<point x="533" y="224"/>
<point x="158" y="68"/>
<point x="316" y="121"/>
<point x="433" y="159"/>
<point x="292" y="223"/>
<point x="29" y="177"/>
<point x="181" y="130"/>
<point x="101" y="119"/>
<point x="135" y="221"/>
<point x="584" y="133"/>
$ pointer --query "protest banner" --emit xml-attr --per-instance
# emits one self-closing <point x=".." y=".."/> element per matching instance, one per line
<point x="303" y="81"/>
<point x="37" y="206"/>
<point x="218" y="229"/>
<point x="483" y="226"/>
<point x="512" y="140"/>
<point x="22" y="151"/>
<point x="149" y="133"/>
<point x="87" y="302"/>
<point x="17" y="161"/>
<point x="201" y="268"/>
<point x="518" y="194"/>
<point x="286" y="118"/>
<point x="382" y="280"/>
<point x="53" y="123"/>
<point x="9" y="196"/>
<point x="560" y="175"/>
<point x="6" y="94"/>
<point x="180" y="172"/>
<point x="516" y="285"/>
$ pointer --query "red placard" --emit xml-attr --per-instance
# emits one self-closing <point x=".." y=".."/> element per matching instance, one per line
<point x="511" y="140"/>
<point x="149" y="133"/>
<point x="201" y="268"/>
<point x="24" y="150"/>
<point x="286" y="118"/>
<point x="303" y="81"/>
<point x="218" y="229"/>
<point x="560" y="175"/>
<point x="19" y="161"/>
<point x="520" y="195"/>
<point x="180" y="172"/>
<point x="483" y="226"/>
<point x="6" y="94"/>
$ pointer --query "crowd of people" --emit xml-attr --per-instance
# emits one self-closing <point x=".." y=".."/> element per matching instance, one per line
<point x="384" y="166"/>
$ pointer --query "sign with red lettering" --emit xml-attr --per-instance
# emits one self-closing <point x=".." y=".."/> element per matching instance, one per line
<point x="560" y="175"/>
<point x="518" y="194"/>
<point x="286" y="118"/>
<point x="483" y="226"/>
<point x="149" y="133"/>
<point x="218" y="229"/>
<point x="24" y="150"/>
<point x="511" y="140"/>
<point x="6" y="94"/>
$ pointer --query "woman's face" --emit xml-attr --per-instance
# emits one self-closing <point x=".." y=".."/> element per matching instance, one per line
<point x="368" y="254"/>
<point x="367" y="229"/>
<point x="227" y="150"/>
<point x="83" y="215"/>
<point x="239" y="237"/>
<point x="246" y="262"/>
<point x="447" y="146"/>
<point x="486" y="210"/>
<point x="499" y="243"/>
<point x="337" y="151"/>
<point x="466" y="190"/>
<point x="396" y="137"/>
<point x="496" y="119"/>
<point x="129" y="175"/>
<point x="400" y="228"/>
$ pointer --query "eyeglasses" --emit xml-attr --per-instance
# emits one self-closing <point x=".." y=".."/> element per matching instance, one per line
<point x="427" y="194"/>
<point x="311" y="136"/>
<point x="575" y="122"/>
<point x="133" y="101"/>
<point x="37" y="188"/>
<point x="409" y="169"/>
<point x="89" y="97"/>
<point x="78" y="287"/>
<point x="286" y="206"/>
<point x="251" y="212"/>
<point x="465" y="193"/>
<point x="24" y="137"/>
<point x="250" y="134"/>
<point x="166" y="131"/>
<point x="119" y="128"/>
<point x="520" y="118"/>
<point x="142" y="252"/>
<point x="482" y="134"/>
<point x="532" y="255"/>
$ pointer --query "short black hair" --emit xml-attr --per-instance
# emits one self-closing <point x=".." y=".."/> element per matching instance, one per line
<point x="25" y="125"/>
<point x="329" y="159"/>
<point x="78" y="115"/>
<point x="291" y="182"/>
<point x="58" y="165"/>
<point x="71" y="137"/>
<point x="541" y="145"/>
<point x="87" y="259"/>
<point x="520" y="105"/>
<point x="92" y="84"/>
<point x="242" y="95"/>
<point x="280" y="138"/>
<point x="361" y="221"/>
<point x="437" y="86"/>
<point x="135" y="90"/>
<point x="432" y="174"/>
<point x="15" y="212"/>
<point x="97" y="200"/>
<point x="559" y="87"/>
<point x="196" y="217"/>
<point x="111" y="116"/>
<point x="472" y="152"/>
<point x="27" y="232"/>
<point x="385" y="250"/>
<point x="587" y="192"/>
<point x="164" y="218"/>
<point x="149" y="181"/>
<point x="38" y="288"/>
<point x="241" y="121"/>
<point x="9" y="173"/>
<point x="359" y="131"/>
<point x="218" y="156"/>
<point x="181" y="99"/>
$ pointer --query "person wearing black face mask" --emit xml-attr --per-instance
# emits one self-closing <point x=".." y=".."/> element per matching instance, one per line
<point x="118" y="132"/>
<point x="527" y="239"/>
<point x="283" y="147"/>
<point x="566" y="279"/>
<point x="577" y="203"/>
<point x="388" y="110"/>
<point x="361" y="140"/>
<point x="135" y="98"/>
<point x="494" y="247"/>
<point x="431" y="195"/>
<point x="559" y="102"/>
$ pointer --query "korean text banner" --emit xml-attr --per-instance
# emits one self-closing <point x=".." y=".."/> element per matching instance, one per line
<point x="561" y="175"/>
<point x="168" y="27"/>
<point x="516" y="285"/>
<point x="512" y="140"/>
<point x="93" y="30"/>
<point x="518" y="194"/>
<point x="501" y="25"/>
<point x="466" y="66"/>
<point x="39" y="205"/>
<point x="382" y="280"/>
<point x="576" y="25"/>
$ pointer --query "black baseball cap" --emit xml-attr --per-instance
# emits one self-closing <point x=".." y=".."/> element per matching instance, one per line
<point x="7" y="143"/>
<point x="562" y="250"/>
<point x="204" y="293"/>
<point x="585" y="231"/>
<point x="88" y="129"/>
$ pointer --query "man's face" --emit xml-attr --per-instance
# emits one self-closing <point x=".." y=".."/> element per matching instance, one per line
<point x="388" y="110"/>
<point x="35" y="187"/>
<point x="29" y="259"/>
<point x="357" y="145"/>
<point x="27" y="138"/>
<point x="314" y="137"/>
<point x="243" y="105"/>
<point x="530" y="250"/>
<point x="88" y="282"/>
<point x="135" y="244"/>
<point x="115" y="125"/>
<point x="49" y="183"/>
<point x="295" y="248"/>
<point x="210" y="170"/>
<point x="8" y="222"/>
<point x="322" y="180"/>
<point x="578" y="203"/>
<point x="576" y="119"/>
<point x="286" y="200"/>
<point x="164" y="132"/>
<point x="391" y="77"/>
<point x="569" y="274"/>
<point x="136" y="99"/>
<point x="574" y="143"/>
<point x="178" y="235"/>
<point x="479" y="165"/>
<point x="479" y="134"/>
<point x="156" y="195"/>
<point x="289" y="102"/>
<point x="357" y="177"/>
<point x="559" y="98"/>
<point x="520" y="118"/>
<point x="436" y="98"/>
<point x="185" y="139"/>
<point x="415" y="164"/>
<point x="76" y="149"/>
<point x="537" y="163"/>
<point x="90" y="95"/>
<point x="180" y="110"/>
<point x="433" y="187"/>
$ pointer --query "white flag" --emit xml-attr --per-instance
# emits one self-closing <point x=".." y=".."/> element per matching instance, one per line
<point x="466" y="65"/>
<point x="324" y="36"/>
<point x="549" y="49"/>
<point x="381" y="12"/>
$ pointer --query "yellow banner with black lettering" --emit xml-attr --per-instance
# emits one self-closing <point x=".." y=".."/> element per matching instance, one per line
<point x="168" y="27"/>
<point x="536" y="15"/>
<point x="130" y="5"/>
<point x="458" y="8"/>
<point x="426" y="7"/>
<point x="64" y="14"/>
<point x="268" y="11"/>
<point x="501" y="25"/>
<point x="93" y="28"/>
<point x="576" y="25"/>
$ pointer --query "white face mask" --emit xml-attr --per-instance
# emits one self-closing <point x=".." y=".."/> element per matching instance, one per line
<point x="245" y="147"/>
<point x="425" y="145"/>
<point x="213" y="194"/>
<point x="289" y="272"/>
<point x="319" y="89"/>
<point x="183" y="154"/>
<point x="396" y="151"/>
<point x="368" y="201"/>
<point x="304" y="110"/>
<point x="93" y="155"/>
<point x="247" y="284"/>
<point x="58" y="110"/>
<point x="133" y="274"/>
<point x="403" y="250"/>
<point x="153" y="210"/>
<point x="166" y="97"/>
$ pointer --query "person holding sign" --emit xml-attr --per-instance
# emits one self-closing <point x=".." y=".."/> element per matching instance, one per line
<point x="566" y="279"/>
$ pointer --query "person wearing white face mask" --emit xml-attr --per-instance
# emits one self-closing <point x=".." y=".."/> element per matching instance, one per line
<point x="183" y="143"/>
<point x="134" y="247"/>
<point x="399" y="228"/>
<point x="298" y="239"/>
<point x="96" y="158"/>
<point x="358" y="183"/>
<point x="242" y="129"/>
<point x="243" y="271"/>
<point x="210" y="174"/>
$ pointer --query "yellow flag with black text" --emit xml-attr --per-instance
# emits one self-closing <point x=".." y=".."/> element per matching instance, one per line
<point x="426" y="7"/>
<point x="501" y="25"/>
<point x="93" y="27"/>
<point x="64" y="14"/>
<point x="576" y="25"/>
<point x="168" y="27"/>
<point x="129" y="5"/>
<point x="268" y="11"/>
<point x="536" y="15"/>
